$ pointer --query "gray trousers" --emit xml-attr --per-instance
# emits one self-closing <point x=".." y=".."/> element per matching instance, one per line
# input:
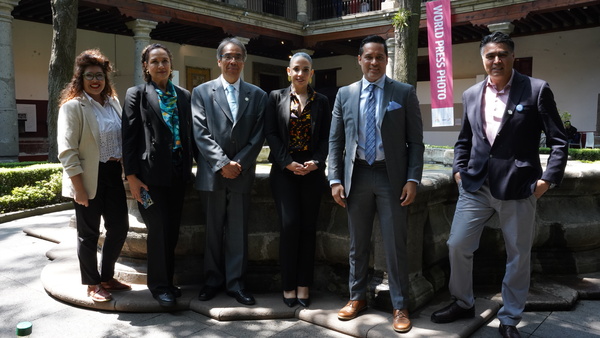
<point x="372" y="193"/>
<point x="226" y="251"/>
<point x="473" y="210"/>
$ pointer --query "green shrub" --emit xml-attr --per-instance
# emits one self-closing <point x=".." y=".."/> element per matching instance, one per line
<point x="18" y="177"/>
<point x="590" y="155"/>
<point x="31" y="187"/>
<point x="19" y="164"/>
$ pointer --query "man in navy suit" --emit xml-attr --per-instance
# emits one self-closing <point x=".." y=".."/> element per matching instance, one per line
<point x="498" y="171"/>
<point x="228" y="129"/>
<point x="375" y="168"/>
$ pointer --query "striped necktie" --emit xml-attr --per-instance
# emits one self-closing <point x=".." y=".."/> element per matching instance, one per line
<point x="370" y="130"/>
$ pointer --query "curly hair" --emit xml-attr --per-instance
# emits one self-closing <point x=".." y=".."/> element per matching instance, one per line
<point x="146" y="56"/>
<point x="90" y="57"/>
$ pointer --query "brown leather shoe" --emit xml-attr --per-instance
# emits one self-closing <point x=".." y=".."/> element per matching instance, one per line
<point x="351" y="310"/>
<point x="401" y="321"/>
<point x="115" y="285"/>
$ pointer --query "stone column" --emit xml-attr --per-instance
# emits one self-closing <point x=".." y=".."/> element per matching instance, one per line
<point x="9" y="128"/>
<point x="504" y="27"/>
<point x="141" y="35"/>
<point x="391" y="45"/>
<point x="302" y="7"/>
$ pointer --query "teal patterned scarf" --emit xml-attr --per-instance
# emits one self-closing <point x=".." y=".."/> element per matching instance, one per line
<point x="168" y="107"/>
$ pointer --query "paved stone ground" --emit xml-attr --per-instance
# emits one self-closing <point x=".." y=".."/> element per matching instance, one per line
<point x="29" y="279"/>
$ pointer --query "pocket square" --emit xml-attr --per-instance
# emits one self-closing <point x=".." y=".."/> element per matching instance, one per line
<point x="393" y="105"/>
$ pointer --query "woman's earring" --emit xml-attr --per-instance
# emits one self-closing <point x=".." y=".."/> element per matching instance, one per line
<point x="289" y="78"/>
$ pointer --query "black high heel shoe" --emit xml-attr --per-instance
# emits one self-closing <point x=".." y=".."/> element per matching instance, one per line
<point x="304" y="301"/>
<point x="290" y="301"/>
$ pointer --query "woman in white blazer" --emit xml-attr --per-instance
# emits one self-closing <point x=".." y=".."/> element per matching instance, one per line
<point x="89" y="149"/>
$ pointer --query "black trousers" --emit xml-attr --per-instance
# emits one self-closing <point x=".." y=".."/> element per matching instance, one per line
<point x="110" y="203"/>
<point x="297" y="200"/>
<point x="163" y="219"/>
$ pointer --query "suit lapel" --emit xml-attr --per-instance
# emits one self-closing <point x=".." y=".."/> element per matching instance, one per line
<point x="284" y="106"/>
<point x="314" y="114"/>
<point x="243" y="99"/>
<point x="152" y="97"/>
<point x="516" y="91"/>
<point x="88" y="111"/>
<point x="476" y="111"/>
<point x="354" y="101"/>
<point x="388" y="90"/>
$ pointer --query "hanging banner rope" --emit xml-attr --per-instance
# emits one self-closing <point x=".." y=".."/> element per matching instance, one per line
<point x="439" y="34"/>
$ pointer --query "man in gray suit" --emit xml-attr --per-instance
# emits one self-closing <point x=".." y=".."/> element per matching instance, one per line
<point x="228" y="129"/>
<point x="498" y="171"/>
<point x="375" y="164"/>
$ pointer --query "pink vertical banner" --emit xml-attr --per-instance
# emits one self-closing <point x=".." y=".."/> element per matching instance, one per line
<point x="439" y="34"/>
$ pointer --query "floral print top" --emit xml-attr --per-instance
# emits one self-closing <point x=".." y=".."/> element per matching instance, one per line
<point x="300" y="122"/>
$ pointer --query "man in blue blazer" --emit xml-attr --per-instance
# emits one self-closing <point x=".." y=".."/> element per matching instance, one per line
<point x="497" y="169"/>
<point x="228" y="129"/>
<point x="375" y="164"/>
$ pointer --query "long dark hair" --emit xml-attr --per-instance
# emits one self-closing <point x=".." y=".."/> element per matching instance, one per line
<point x="90" y="57"/>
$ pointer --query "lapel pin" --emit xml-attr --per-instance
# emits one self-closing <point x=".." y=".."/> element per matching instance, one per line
<point x="519" y="107"/>
<point x="510" y="112"/>
<point x="247" y="99"/>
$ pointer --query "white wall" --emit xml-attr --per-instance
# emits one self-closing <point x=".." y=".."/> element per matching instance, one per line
<point x="567" y="60"/>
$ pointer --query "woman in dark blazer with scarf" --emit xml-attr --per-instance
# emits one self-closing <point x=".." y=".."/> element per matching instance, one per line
<point x="297" y="124"/>
<point x="157" y="153"/>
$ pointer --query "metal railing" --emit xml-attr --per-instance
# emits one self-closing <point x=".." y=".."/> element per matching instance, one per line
<point x="285" y="8"/>
<point x="317" y="9"/>
<point x="320" y="9"/>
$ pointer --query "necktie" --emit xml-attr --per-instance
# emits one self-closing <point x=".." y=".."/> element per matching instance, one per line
<point x="231" y="99"/>
<point x="370" y="130"/>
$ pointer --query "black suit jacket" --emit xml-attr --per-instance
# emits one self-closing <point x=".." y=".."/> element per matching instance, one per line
<point x="512" y="164"/>
<point x="277" y="123"/>
<point x="148" y="141"/>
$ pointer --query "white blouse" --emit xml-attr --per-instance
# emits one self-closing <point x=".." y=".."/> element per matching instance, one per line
<point x="109" y="125"/>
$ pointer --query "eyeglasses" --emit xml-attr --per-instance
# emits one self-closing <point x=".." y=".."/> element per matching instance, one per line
<point x="92" y="76"/>
<point x="230" y="57"/>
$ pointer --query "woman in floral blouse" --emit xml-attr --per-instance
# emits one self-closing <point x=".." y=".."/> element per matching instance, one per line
<point x="297" y="124"/>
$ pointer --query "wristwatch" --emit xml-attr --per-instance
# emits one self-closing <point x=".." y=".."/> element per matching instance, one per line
<point x="552" y="185"/>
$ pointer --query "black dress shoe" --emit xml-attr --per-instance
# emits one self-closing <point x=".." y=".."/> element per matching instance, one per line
<point x="176" y="291"/>
<point x="208" y="292"/>
<point x="451" y="313"/>
<point x="304" y="301"/>
<point x="509" y="331"/>
<point x="242" y="296"/>
<point x="166" y="299"/>
<point x="290" y="301"/>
